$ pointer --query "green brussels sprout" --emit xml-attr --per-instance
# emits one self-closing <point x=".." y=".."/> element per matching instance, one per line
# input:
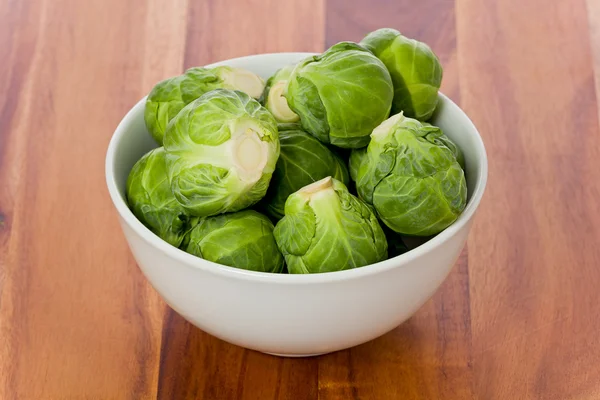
<point x="326" y="229"/>
<point x="199" y="80"/>
<point x="221" y="152"/>
<point x="445" y="140"/>
<point x="162" y="104"/>
<point x="151" y="201"/>
<point x="415" y="69"/>
<point x="356" y="159"/>
<point x="411" y="178"/>
<point x="242" y="240"/>
<point x="273" y="98"/>
<point x="168" y="97"/>
<point x="302" y="160"/>
<point x="341" y="95"/>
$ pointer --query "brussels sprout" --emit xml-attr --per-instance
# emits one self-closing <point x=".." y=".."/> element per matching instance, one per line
<point x="168" y="97"/>
<point x="326" y="229"/>
<point x="303" y="160"/>
<point x="356" y="159"/>
<point x="445" y="140"/>
<point x="151" y="201"/>
<point x="458" y="154"/>
<point x="411" y="178"/>
<point x="221" y="152"/>
<point x="415" y="69"/>
<point x="242" y="240"/>
<point x="341" y="95"/>
<point x="273" y="98"/>
<point x="200" y="80"/>
<point x="162" y="104"/>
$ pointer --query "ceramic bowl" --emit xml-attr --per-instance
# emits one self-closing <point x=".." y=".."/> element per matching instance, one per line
<point x="294" y="315"/>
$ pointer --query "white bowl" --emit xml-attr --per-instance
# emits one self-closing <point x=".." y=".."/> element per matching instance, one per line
<point x="294" y="315"/>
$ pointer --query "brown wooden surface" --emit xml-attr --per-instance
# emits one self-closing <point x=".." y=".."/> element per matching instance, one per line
<point x="518" y="318"/>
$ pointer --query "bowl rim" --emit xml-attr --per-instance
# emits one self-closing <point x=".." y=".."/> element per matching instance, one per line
<point x="192" y="261"/>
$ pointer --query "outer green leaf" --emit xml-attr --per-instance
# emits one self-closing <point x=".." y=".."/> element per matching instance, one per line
<point x="415" y="70"/>
<point x="296" y="233"/>
<point x="199" y="80"/>
<point x="242" y="240"/>
<point x="162" y="105"/>
<point x="439" y="138"/>
<point x="151" y="201"/>
<point x="356" y="159"/>
<point x="304" y="99"/>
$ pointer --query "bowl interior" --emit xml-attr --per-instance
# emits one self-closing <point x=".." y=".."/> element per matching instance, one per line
<point x="131" y="140"/>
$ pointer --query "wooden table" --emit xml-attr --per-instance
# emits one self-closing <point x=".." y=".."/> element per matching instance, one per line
<point x="518" y="318"/>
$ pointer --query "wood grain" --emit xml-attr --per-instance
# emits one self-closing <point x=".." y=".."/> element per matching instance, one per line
<point x="218" y="30"/>
<point x="77" y="318"/>
<point x="516" y="319"/>
<point x="197" y="365"/>
<point x="593" y="11"/>
<point x="533" y="251"/>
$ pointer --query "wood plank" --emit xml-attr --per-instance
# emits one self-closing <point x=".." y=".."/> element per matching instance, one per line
<point x="218" y="30"/>
<point x="429" y="356"/>
<point x="195" y="364"/>
<point x="593" y="12"/>
<point x="77" y="319"/>
<point x="527" y="82"/>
